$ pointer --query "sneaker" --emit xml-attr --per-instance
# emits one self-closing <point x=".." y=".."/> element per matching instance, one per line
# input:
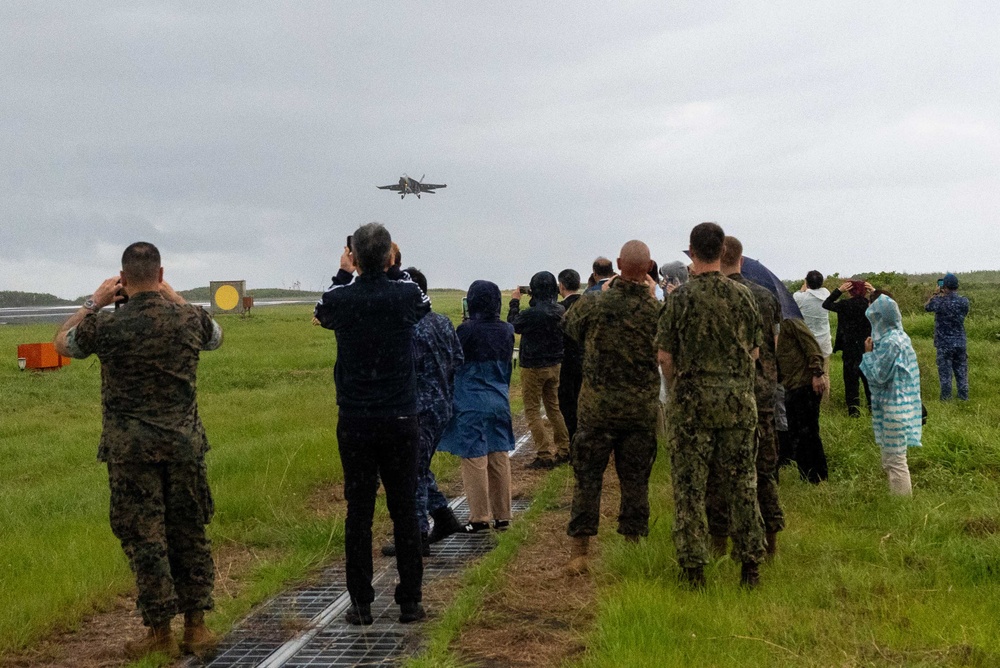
<point x="359" y="614"/>
<point x="501" y="525"/>
<point x="476" y="527"/>
<point x="411" y="612"/>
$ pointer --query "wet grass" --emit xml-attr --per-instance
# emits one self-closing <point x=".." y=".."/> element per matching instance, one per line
<point x="862" y="579"/>
<point x="269" y="407"/>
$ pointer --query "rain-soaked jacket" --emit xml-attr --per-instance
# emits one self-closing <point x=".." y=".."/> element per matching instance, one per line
<point x="540" y="324"/>
<point x="894" y="378"/>
<point x="481" y="422"/>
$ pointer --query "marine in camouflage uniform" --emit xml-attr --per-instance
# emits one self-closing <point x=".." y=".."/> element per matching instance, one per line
<point x="154" y="445"/>
<point x="766" y="439"/>
<point x="617" y="405"/>
<point x="710" y="327"/>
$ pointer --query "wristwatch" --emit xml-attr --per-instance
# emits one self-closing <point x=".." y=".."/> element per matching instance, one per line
<point x="91" y="304"/>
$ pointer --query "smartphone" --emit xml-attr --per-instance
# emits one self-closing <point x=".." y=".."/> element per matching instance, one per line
<point x="465" y="308"/>
<point x="349" y="236"/>
<point x="524" y="289"/>
<point x="940" y="282"/>
<point x="119" y="304"/>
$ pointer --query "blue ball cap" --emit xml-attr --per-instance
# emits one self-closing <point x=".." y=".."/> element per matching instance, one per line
<point x="951" y="281"/>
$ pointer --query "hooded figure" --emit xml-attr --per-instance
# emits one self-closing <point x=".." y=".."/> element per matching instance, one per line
<point x="540" y="356"/>
<point x="894" y="377"/>
<point x="480" y="430"/>
<point x="674" y="272"/>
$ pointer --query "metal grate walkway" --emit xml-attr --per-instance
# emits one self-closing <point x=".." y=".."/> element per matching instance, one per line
<point x="306" y="627"/>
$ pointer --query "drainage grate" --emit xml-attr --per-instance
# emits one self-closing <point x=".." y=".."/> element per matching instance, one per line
<point x="306" y="627"/>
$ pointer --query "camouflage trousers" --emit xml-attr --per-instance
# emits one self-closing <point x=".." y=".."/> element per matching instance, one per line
<point x="590" y="451"/>
<point x="717" y="505"/>
<point x="730" y="452"/>
<point x="159" y="512"/>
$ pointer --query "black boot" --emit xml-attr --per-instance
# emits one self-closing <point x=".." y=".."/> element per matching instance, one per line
<point x="749" y="575"/>
<point x="445" y="524"/>
<point x="359" y="614"/>
<point x="694" y="577"/>
<point x="411" y="612"/>
<point x="389" y="549"/>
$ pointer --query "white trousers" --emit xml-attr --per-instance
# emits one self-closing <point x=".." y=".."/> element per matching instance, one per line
<point x="894" y="465"/>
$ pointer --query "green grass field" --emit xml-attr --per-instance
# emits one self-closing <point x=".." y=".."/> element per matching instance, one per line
<point x="862" y="579"/>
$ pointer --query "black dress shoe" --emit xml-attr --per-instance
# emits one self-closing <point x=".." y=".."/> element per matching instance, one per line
<point x="411" y="612"/>
<point x="501" y="525"/>
<point x="359" y="614"/>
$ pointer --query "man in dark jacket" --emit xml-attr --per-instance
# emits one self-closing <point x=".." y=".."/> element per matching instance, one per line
<point x="541" y="356"/>
<point x="853" y="328"/>
<point x="801" y="372"/>
<point x="377" y="431"/>
<point x="571" y="372"/>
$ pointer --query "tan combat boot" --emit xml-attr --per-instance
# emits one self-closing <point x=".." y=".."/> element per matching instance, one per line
<point x="158" y="639"/>
<point x="198" y="638"/>
<point x="579" y="546"/>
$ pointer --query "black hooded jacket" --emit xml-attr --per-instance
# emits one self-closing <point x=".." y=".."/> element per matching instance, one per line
<point x="539" y="324"/>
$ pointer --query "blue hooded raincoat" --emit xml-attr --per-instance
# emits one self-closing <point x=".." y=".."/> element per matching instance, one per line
<point x="481" y="422"/>
<point x="894" y="377"/>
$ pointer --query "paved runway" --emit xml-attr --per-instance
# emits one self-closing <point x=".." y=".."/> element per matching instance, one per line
<point x="36" y="314"/>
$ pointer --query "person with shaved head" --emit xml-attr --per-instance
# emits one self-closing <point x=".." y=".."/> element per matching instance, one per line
<point x="618" y="400"/>
<point x="709" y="338"/>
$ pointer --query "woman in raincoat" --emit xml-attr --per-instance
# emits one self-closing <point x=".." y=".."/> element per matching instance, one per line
<point x="480" y="431"/>
<point x="890" y="365"/>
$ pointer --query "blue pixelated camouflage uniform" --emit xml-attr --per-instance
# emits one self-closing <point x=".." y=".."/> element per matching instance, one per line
<point x="437" y="353"/>
<point x="949" y="338"/>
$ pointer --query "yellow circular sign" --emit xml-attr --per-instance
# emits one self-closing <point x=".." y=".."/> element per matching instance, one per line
<point x="227" y="298"/>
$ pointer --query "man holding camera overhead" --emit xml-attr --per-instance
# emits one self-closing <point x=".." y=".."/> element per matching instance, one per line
<point x="377" y="431"/>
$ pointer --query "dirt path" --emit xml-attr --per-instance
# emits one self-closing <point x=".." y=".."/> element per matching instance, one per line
<point x="540" y="616"/>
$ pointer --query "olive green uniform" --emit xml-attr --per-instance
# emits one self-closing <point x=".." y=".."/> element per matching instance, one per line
<point x="711" y="326"/>
<point x="766" y="435"/>
<point x="617" y="405"/>
<point x="154" y="445"/>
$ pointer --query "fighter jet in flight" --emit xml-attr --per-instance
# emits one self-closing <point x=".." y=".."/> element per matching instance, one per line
<point x="408" y="185"/>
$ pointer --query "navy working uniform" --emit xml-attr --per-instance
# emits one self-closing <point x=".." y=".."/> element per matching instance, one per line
<point x="949" y="311"/>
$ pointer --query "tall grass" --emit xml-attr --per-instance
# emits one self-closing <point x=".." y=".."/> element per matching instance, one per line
<point x="862" y="578"/>
<point x="269" y="407"/>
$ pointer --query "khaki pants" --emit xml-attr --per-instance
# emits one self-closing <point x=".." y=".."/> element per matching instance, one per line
<point x="541" y="386"/>
<point x="894" y="465"/>
<point x="487" y="486"/>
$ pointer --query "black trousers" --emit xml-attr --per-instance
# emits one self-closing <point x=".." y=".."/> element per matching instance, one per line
<point x="852" y="374"/>
<point x="802" y="407"/>
<point x="570" y="381"/>
<point x="370" y="449"/>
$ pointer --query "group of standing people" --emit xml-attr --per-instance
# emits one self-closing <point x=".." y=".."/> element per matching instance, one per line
<point x="712" y="346"/>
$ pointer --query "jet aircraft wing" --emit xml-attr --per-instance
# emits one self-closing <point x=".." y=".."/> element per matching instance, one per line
<point x="427" y="187"/>
<point x="393" y="186"/>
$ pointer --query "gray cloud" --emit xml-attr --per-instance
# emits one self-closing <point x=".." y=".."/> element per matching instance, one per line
<point x="246" y="138"/>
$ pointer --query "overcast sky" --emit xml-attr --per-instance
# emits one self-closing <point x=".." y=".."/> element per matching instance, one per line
<point x="246" y="138"/>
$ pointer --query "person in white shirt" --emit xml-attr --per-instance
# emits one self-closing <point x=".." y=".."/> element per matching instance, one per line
<point x="810" y="299"/>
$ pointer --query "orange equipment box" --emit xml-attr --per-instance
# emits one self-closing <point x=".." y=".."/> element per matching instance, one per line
<point x="41" y="356"/>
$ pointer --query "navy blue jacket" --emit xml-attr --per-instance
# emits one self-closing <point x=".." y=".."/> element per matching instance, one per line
<point x="373" y="318"/>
